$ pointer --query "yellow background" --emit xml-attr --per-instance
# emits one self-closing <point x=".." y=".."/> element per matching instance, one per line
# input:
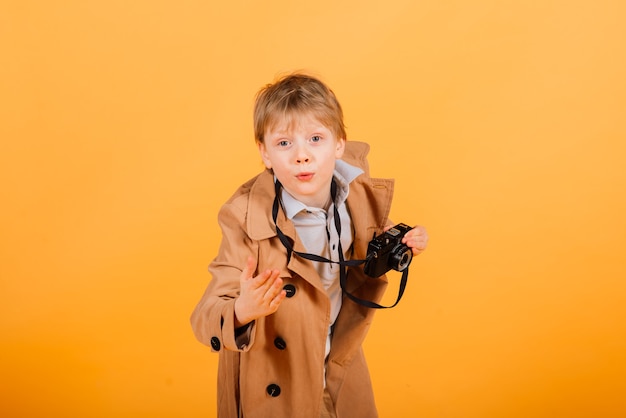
<point x="126" y="124"/>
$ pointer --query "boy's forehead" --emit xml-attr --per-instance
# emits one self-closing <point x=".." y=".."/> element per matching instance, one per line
<point x="286" y="123"/>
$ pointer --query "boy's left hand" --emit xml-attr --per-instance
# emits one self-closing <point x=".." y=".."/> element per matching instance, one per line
<point x="416" y="239"/>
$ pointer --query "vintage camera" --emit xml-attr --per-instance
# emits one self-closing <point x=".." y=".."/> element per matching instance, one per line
<point x="386" y="252"/>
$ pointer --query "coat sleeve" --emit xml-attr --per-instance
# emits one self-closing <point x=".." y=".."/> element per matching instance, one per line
<point x="213" y="319"/>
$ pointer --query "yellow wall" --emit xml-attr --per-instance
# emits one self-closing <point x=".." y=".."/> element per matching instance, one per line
<point x="126" y="124"/>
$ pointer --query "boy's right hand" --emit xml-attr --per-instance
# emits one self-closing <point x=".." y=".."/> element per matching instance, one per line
<point x="260" y="296"/>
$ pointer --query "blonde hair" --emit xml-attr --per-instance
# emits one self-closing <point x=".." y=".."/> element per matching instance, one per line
<point x="295" y="95"/>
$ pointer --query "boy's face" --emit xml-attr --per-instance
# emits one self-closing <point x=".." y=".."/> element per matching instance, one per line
<point x="302" y="155"/>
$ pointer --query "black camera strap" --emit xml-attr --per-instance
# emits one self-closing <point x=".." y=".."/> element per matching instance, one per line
<point x="343" y="264"/>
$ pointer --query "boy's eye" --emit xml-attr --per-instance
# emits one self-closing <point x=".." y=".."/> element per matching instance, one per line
<point x="283" y="143"/>
<point x="316" y="138"/>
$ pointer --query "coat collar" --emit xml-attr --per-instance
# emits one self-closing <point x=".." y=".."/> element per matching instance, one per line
<point x="259" y="223"/>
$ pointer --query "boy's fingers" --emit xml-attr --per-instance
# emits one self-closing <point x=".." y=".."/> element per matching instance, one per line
<point x="249" y="268"/>
<point x="274" y="286"/>
<point x="418" y="230"/>
<point x="278" y="299"/>
<point x="267" y="279"/>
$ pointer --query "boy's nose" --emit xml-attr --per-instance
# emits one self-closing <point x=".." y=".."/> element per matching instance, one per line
<point x="302" y="156"/>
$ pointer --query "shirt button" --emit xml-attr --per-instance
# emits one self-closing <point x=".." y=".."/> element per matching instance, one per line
<point x="215" y="344"/>
<point x="280" y="343"/>
<point x="290" y="289"/>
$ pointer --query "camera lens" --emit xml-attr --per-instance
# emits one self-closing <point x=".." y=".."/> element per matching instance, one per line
<point x="401" y="258"/>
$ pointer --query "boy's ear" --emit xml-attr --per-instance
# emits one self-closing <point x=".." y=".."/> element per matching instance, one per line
<point x="341" y="147"/>
<point x="264" y="157"/>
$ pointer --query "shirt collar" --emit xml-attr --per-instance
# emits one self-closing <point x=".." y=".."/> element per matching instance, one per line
<point x="344" y="174"/>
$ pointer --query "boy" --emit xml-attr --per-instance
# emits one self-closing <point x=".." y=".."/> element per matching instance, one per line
<point x="289" y="340"/>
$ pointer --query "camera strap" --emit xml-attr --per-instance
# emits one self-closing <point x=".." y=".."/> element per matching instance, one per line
<point x="343" y="264"/>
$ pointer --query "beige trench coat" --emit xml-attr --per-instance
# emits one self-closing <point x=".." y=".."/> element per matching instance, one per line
<point x="280" y="373"/>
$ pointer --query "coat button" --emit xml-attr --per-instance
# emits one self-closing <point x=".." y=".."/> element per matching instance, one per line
<point x="273" y="390"/>
<point x="215" y="344"/>
<point x="280" y="343"/>
<point x="290" y="289"/>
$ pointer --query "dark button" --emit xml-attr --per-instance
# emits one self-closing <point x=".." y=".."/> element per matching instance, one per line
<point x="280" y="343"/>
<point x="273" y="390"/>
<point x="290" y="289"/>
<point x="215" y="344"/>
